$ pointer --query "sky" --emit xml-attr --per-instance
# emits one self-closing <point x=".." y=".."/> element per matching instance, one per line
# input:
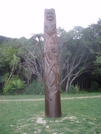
<point x="22" y="18"/>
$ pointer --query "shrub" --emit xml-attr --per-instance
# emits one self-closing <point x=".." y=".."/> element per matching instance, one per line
<point x="73" y="89"/>
<point x="14" y="86"/>
<point x="94" y="87"/>
<point x="35" y="88"/>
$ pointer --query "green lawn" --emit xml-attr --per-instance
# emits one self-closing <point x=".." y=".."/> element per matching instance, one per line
<point x="78" y="116"/>
<point x="9" y="97"/>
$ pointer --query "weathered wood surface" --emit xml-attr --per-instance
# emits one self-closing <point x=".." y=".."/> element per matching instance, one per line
<point x="52" y="83"/>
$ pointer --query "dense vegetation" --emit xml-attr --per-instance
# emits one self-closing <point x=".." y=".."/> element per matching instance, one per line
<point x="22" y="61"/>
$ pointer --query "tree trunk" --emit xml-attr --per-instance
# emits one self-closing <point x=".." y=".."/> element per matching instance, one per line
<point x="68" y="84"/>
<point x="12" y="71"/>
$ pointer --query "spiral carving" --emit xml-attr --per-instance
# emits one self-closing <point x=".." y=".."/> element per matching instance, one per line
<point x="52" y="84"/>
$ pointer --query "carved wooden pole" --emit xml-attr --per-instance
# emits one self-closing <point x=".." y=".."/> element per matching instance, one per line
<point x="52" y="83"/>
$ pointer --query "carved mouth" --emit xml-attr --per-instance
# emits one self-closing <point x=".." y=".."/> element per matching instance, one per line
<point x="50" y="18"/>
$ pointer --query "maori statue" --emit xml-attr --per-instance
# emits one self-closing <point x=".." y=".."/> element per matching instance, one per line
<point x="52" y="83"/>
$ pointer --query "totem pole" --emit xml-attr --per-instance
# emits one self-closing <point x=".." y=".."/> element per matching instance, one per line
<point x="52" y="83"/>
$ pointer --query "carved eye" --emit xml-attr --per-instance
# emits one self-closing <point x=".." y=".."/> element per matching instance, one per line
<point x="48" y="14"/>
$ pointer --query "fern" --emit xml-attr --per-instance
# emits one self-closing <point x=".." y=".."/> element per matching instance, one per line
<point x="14" y="86"/>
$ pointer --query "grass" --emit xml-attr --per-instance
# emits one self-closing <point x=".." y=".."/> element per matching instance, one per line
<point x="78" y="116"/>
<point x="9" y="97"/>
<point x="66" y="95"/>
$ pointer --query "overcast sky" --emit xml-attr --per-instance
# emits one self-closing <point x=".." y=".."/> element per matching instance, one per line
<point x="20" y="18"/>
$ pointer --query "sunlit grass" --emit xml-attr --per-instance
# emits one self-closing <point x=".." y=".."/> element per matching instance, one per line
<point x="78" y="117"/>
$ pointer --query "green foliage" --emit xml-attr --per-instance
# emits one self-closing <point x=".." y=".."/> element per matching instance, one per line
<point x="73" y="89"/>
<point x="96" y="73"/>
<point x="97" y="63"/>
<point x="94" y="87"/>
<point x="5" y="77"/>
<point x="79" y="53"/>
<point x="8" y="58"/>
<point x="98" y="60"/>
<point x="14" y="86"/>
<point x="35" y="88"/>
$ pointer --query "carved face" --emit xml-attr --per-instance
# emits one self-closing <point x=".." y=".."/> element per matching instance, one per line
<point x="50" y="15"/>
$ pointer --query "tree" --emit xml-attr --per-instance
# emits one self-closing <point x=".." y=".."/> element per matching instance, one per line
<point x="76" y="58"/>
<point x="33" y="58"/>
<point x="9" y="67"/>
<point x="9" y="60"/>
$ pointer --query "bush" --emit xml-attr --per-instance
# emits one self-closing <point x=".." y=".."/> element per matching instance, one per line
<point x="35" y="88"/>
<point x="14" y="86"/>
<point x="94" y="87"/>
<point x="73" y="89"/>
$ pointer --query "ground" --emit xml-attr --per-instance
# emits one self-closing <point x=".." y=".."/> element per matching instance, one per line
<point x="81" y="114"/>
